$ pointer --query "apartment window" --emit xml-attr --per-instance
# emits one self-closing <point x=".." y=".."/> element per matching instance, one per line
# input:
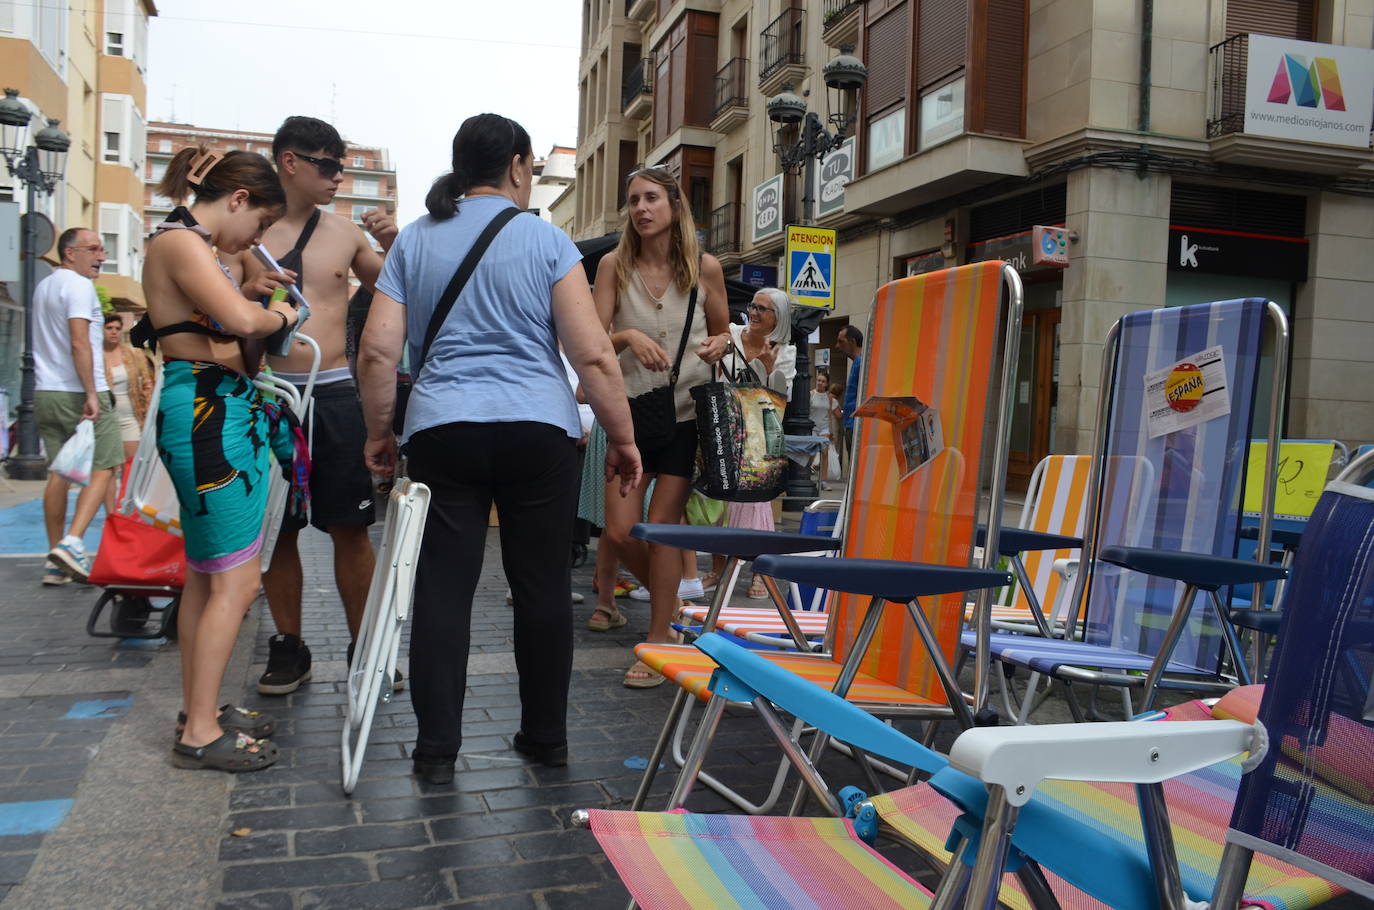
<point x="942" y="114"/>
<point x="366" y="186"/>
<point x="164" y="145"/>
<point x="359" y="161"/>
<point x="156" y="169"/>
<point x="685" y="74"/>
<point x="358" y="211"/>
<point x="114" y="44"/>
<point x="230" y="148"/>
<point x="886" y="139"/>
<point x="124" y="132"/>
<point x="111" y="244"/>
<point x="126" y="31"/>
<point x="111" y="153"/>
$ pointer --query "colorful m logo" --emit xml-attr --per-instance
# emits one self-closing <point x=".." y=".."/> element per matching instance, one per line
<point x="1303" y="82"/>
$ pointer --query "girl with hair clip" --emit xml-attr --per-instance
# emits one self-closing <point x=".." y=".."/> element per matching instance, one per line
<point x="215" y="434"/>
<point x="644" y="291"/>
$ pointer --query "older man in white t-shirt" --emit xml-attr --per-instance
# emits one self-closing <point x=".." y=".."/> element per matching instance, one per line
<point x="69" y="375"/>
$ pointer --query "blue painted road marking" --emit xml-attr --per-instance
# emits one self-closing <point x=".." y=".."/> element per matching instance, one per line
<point x="21" y="528"/>
<point x="32" y="818"/>
<point x="639" y="763"/>
<point x="98" y="708"/>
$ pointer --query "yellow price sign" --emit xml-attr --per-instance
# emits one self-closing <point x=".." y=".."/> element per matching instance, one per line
<point x="1303" y="467"/>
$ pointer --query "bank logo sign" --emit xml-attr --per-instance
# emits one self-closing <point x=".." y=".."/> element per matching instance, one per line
<point x="767" y="219"/>
<point x="1304" y="90"/>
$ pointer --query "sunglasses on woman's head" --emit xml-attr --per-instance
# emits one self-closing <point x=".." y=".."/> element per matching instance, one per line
<point x="328" y="167"/>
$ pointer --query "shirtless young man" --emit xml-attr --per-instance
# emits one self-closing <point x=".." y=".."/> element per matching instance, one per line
<point x="309" y="157"/>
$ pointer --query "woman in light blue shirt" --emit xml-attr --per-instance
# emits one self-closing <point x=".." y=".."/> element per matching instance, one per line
<point x="491" y="419"/>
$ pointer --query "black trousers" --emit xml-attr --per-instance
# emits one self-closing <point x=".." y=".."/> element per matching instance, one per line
<point x="530" y="471"/>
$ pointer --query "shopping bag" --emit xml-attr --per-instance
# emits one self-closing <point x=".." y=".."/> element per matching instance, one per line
<point x="73" y="460"/>
<point x="137" y="555"/>
<point x="742" y="455"/>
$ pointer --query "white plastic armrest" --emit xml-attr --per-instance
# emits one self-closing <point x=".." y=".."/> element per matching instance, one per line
<point x="1133" y="752"/>
<point x="1065" y="568"/>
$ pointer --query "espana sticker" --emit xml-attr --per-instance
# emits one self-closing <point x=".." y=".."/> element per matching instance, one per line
<point x="1186" y="393"/>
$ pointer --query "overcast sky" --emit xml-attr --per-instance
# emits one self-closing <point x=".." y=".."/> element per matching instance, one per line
<point x="401" y="73"/>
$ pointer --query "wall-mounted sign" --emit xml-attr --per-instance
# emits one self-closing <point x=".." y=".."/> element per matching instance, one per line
<point x="1237" y="253"/>
<point x="1017" y="249"/>
<point x="1304" y="90"/>
<point x="767" y="208"/>
<point x="942" y="114"/>
<point x="920" y="264"/>
<point x="834" y="174"/>
<point x="1050" y="246"/>
<point x="760" y="276"/>
<point x="811" y="266"/>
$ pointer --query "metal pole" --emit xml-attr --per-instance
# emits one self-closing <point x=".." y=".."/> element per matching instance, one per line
<point x="796" y="421"/>
<point x="28" y="464"/>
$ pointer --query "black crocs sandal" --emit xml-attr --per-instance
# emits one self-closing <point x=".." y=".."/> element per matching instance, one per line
<point x="232" y="752"/>
<point x="237" y="720"/>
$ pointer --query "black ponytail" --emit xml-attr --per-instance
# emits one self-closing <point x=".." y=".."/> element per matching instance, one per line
<point x="482" y="150"/>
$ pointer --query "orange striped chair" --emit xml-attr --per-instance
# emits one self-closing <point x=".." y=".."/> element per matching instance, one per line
<point x="930" y="439"/>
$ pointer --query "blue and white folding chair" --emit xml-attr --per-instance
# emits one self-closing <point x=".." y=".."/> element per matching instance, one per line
<point x="1181" y="391"/>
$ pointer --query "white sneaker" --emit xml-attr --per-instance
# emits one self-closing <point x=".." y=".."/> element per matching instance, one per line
<point x="688" y="589"/>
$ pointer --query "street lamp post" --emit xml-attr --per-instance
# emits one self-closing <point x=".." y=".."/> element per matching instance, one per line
<point x="802" y="141"/>
<point x="40" y="168"/>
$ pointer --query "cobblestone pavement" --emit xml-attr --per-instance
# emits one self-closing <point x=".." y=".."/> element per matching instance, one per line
<point x="92" y="815"/>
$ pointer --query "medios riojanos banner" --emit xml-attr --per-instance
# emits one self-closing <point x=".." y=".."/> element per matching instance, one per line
<point x="1304" y="90"/>
<point x="767" y="208"/>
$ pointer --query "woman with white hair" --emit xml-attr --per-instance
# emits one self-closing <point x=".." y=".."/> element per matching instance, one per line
<point x="763" y="344"/>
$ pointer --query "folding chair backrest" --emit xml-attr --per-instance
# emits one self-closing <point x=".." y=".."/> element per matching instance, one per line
<point x="1171" y="367"/>
<point x="1056" y="503"/>
<point x="1309" y="801"/>
<point x="930" y="364"/>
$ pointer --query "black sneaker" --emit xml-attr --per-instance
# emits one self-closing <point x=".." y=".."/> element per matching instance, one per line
<point x="553" y="755"/>
<point x="398" y="682"/>
<point x="288" y="665"/>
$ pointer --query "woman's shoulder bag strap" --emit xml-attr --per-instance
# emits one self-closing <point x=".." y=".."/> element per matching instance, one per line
<point x="682" y="343"/>
<point x="460" y="278"/>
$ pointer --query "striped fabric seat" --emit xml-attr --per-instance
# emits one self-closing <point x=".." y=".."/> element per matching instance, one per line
<point x="691" y="669"/>
<point x="746" y="621"/>
<point x="683" y="861"/>
<point x="1199" y="807"/>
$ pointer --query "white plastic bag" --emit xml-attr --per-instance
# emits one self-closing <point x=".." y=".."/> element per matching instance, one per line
<point x="74" y="460"/>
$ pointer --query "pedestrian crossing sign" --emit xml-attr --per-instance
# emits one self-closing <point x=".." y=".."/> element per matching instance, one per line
<point x="811" y="266"/>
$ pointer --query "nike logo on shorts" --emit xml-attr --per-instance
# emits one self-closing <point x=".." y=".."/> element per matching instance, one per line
<point x="362" y="506"/>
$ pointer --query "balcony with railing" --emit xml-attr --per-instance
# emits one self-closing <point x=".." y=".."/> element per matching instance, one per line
<point x="641" y="11"/>
<point x="782" y="51"/>
<point x="637" y="90"/>
<point x="732" y="95"/>
<point x="722" y="237"/>
<point x="840" y="21"/>
<point x="1301" y="122"/>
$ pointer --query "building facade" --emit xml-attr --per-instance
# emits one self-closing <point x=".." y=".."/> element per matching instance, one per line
<point x="84" y="64"/>
<point x="553" y="175"/>
<point x="981" y="120"/>
<point x="369" y="181"/>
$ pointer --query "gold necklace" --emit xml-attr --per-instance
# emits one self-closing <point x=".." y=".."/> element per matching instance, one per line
<point x="656" y="298"/>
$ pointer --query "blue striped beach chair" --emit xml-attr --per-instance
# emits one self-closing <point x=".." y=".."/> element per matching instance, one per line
<point x="1181" y="393"/>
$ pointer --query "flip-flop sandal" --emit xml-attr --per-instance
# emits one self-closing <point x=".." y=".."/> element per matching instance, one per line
<point x="757" y="591"/>
<point x="614" y="620"/>
<point x="238" y="720"/>
<point x="232" y="752"/>
<point x="648" y="679"/>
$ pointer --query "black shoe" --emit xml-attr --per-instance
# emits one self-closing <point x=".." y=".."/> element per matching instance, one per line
<point x="288" y="665"/>
<point x="551" y="755"/>
<point x="398" y="682"/>
<point x="433" y="769"/>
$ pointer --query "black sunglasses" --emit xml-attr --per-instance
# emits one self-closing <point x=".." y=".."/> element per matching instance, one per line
<point x="329" y="167"/>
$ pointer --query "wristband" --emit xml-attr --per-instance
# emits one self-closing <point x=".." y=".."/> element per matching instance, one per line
<point x="283" y="319"/>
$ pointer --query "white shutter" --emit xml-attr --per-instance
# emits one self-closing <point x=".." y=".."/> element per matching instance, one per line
<point x="133" y="230"/>
<point x="48" y="31"/>
<point x="140" y="21"/>
<point x="112" y="120"/>
<point x="7" y="17"/>
<point x="138" y="139"/>
<point x="112" y="235"/>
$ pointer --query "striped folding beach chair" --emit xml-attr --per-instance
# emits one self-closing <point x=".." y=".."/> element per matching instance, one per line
<point x="930" y="441"/>
<point x="1129" y="816"/>
<point x="1182" y="393"/>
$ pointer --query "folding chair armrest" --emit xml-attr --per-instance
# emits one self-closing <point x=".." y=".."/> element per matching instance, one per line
<point x="1011" y="541"/>
<point x="744" y="543"/>
<point x="1019" y="758"/>
<point x="1205" y="572"/>
<point x="1065" y="568"/>
<point x="743" y="674"/>
<point x="887" y="578"/>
